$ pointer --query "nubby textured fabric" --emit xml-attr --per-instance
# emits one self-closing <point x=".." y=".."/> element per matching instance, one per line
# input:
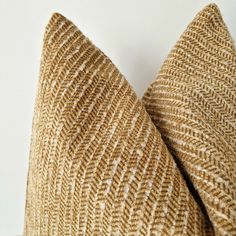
<point x="193" y="105"/>
<point x="98" y="165"/>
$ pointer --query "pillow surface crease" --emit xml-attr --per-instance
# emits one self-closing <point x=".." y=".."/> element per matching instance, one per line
<point x="98" y="165"/>
<point x="193" y="105"/>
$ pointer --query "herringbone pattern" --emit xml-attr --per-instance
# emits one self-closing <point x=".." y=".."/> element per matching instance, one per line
<point x="193" y="104"/>
<point x="98" y="166"/>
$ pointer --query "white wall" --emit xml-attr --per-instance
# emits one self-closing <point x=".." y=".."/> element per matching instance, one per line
<point x="136" y="34"/>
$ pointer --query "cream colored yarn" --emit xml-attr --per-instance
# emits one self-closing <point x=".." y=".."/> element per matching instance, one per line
<point x="98" y="165"/>
<point x="193" y="104"/>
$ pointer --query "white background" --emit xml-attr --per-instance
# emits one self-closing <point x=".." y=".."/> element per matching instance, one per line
<point x="136" y="34"/>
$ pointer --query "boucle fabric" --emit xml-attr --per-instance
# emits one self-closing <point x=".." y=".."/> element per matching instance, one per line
<point x="98" y="165"/>
<point x="193" y="105"/>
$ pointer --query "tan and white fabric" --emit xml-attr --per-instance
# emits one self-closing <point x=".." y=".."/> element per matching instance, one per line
<point x="193" y="105"/>
<point x="98" y="165"/>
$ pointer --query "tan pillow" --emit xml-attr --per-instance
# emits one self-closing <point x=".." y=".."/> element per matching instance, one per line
<point x="193" y="104"/>
<point x="98" y="166"/>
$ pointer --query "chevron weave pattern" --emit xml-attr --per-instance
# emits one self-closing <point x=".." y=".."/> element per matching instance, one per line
<point x="98" y="166"/>
<point x="193" y="104"/>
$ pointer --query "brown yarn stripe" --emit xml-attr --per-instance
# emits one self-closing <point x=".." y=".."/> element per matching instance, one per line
<point x="193" y="104"/>
<point x="98" y="166"/>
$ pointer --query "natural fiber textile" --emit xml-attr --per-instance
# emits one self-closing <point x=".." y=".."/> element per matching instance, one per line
<point x="98" y="165"/>
<point x="193" y="105"/>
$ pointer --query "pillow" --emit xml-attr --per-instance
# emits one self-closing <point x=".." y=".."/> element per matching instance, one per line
<point x="98" y="166"/>
<point x="193" y="104"/>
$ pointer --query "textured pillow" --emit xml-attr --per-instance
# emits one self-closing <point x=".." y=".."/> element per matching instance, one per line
<point x="98" y="166"/>
<point x="193" y="104"/>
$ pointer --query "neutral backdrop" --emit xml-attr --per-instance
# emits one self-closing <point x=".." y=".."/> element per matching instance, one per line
<point x="136" y="34"/>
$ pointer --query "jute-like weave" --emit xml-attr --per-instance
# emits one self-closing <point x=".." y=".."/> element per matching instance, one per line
<point x="98" y="165"/>
<point x="193" y="105"/>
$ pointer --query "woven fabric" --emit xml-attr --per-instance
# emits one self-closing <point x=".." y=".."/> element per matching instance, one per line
<point x="98" y="165"/>
<point x="193" y="105"/>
